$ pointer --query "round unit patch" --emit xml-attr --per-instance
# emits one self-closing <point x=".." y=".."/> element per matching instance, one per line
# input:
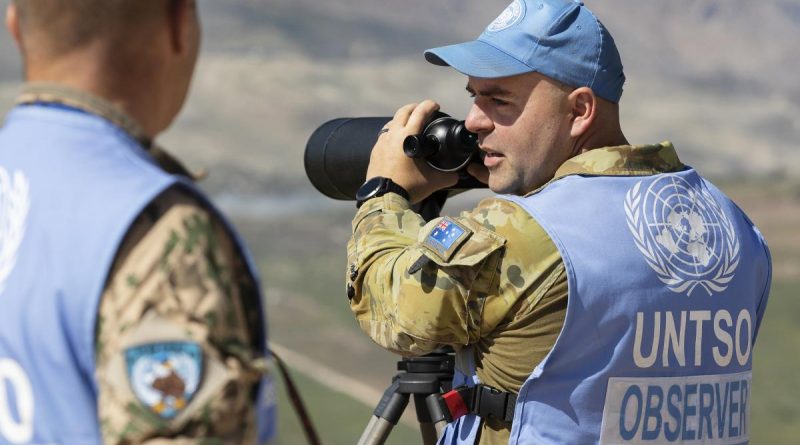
<point x="165" y="376"/>
<point x="509" y="17"/>
<point x="683" y="234"/>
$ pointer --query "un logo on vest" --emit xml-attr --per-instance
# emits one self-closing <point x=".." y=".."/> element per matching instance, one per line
<point x="14" y="205"/>
<point x="683" y="234"/>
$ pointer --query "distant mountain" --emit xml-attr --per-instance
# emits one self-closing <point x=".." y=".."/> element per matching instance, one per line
<point x="718" y="77"/>
<point x="345" y="28"/>
<point x="736" y="39"/>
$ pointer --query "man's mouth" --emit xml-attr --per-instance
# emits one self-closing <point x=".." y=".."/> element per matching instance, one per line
<point x="491" y="158"/>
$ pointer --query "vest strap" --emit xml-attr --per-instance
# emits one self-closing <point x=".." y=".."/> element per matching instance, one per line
<point x="481" y="400"/>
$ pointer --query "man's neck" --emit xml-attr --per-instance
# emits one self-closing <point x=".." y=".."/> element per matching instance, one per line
<point x="88" y="75"/>
<point x="593" y="141"/>
<point x="35" y="93"/>
<point x="40" y="92"/>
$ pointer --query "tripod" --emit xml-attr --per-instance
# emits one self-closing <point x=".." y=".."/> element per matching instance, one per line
<point x="423" y="377"/>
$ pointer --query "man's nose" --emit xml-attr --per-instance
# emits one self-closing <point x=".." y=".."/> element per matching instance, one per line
<point x="477" y="121"/>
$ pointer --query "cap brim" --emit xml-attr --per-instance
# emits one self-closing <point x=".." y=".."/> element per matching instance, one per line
<point x="477" y="59"/>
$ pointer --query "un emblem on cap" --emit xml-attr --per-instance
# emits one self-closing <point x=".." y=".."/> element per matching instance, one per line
<point x="165" y="376"/>
<point x="683" y="234"/>
<point x="509" y="17"/>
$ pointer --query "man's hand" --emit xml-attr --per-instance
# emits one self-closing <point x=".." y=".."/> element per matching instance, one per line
<point x="388" y="159"/>
<point x="479" y="172"/>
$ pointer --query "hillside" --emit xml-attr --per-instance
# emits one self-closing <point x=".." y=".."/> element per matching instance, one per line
<point x="717" y="77"/>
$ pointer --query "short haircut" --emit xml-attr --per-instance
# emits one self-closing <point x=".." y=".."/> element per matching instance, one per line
<point x="64" y="25"/>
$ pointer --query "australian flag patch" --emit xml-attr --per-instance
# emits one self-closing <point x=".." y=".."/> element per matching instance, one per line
<point x="165" y="376"/>
<point x="446" y="237"/>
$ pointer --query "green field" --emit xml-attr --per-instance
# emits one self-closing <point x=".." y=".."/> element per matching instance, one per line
<point x="776" y="399"/>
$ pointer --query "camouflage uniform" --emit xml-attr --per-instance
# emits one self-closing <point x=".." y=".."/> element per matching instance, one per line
<point x="501" y="288"/>
<point x="177" y="277"/>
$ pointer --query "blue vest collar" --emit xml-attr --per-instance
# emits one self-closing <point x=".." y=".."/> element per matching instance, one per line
<point x="40" y="93"/>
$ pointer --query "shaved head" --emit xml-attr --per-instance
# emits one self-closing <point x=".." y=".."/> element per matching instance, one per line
<point x="59" y="26"/>
<point x="113" y="49"/>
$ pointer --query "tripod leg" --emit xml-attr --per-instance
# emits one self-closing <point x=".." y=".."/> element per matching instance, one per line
<point x="386" y="416"/>
<point x="377" y="432"/>
<point x="429" y="434"/>
<point x="431" y="423"/>
<point x="435" y="411"/>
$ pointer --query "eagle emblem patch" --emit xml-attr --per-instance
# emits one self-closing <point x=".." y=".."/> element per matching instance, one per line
<point x="165" y="376"/>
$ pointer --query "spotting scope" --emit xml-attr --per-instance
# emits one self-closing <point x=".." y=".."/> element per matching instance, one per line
<point x="337" y="153"/>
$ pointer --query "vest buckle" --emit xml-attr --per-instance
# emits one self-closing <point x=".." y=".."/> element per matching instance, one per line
<point x="491" y="402"/>
<point x="481" y="400"/>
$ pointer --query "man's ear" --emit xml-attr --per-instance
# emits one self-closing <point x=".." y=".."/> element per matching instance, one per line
<point x="12" y="23"/>
<point x="584" y="110"/>
<point x="179" y="16"/>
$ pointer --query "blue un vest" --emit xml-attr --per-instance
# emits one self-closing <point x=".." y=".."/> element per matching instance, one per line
<point x="668" y="281"/>
<point x="71" y="184"/>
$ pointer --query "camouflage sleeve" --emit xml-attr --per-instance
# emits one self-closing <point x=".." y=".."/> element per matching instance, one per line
<point x="175" y="361"/>
<point x="415" y="286"/>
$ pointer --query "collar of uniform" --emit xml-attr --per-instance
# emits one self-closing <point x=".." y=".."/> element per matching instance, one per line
<point x="44" y="93"/>
<point x="623" y="160"/>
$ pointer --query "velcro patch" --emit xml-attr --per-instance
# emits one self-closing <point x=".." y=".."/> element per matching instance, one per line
<point x="165" y="376"/>
<point x="446" y="237"/>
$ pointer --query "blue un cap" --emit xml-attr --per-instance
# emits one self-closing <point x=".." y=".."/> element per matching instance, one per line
<point x="560" y="39"/>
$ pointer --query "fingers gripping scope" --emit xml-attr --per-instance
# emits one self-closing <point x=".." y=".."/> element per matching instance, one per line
<point x="337" y="153"/>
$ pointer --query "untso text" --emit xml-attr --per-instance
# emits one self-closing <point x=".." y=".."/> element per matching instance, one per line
<point x="692" y="364"/>
<point x="697" y="409"/>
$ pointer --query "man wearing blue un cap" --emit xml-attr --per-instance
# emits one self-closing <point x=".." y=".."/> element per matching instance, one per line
<point x="560" y="40"/>
<point x="607" y="294"/>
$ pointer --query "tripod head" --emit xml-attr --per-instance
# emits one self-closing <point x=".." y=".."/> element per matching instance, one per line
<point x="428" y="374"/>
<point x="425" y="378"/>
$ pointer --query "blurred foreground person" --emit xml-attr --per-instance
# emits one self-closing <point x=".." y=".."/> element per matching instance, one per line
<point x="131" y="313"/>
<point x="609" y="294"/>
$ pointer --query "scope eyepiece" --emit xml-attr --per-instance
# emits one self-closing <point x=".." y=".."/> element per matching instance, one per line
<point x="445" y="143"/>
<point x="420" y="146"/>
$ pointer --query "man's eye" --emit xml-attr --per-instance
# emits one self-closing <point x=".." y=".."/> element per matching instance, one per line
<point x="499" y="102"/>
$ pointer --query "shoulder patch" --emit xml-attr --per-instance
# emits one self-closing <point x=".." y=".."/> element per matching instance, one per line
<point x="165" y="376"/>
<point x="446" y="237"/>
